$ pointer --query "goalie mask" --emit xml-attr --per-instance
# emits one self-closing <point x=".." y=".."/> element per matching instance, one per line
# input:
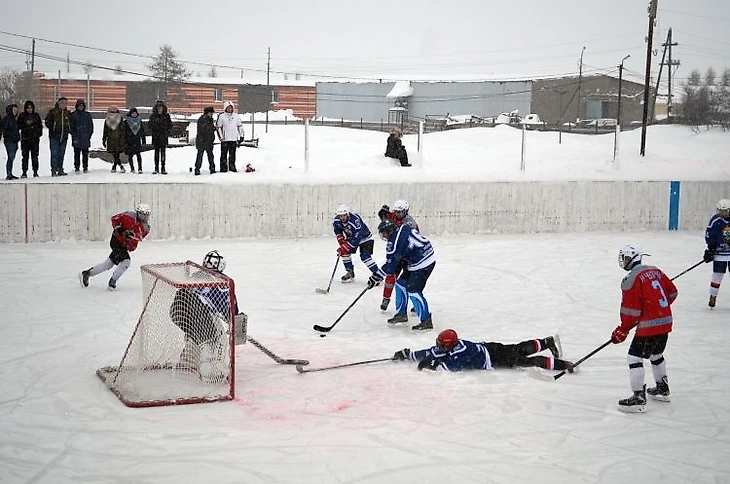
<point x="214" y="261"/>
<point x="629" y="256"/>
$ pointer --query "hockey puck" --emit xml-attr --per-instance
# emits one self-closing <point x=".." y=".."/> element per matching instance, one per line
<point x="322" y="335"/>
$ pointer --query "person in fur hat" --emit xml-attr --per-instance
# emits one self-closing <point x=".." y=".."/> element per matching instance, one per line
<point x="113" y="137"/>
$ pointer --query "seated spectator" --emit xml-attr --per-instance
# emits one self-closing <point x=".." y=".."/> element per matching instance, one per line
<point x="395" y="148"/>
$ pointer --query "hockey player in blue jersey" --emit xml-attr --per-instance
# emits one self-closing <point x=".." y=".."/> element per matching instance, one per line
<point x="453" y="354"/>
<point x="406" y="246"/>
<point x="202" y="313"/>
<point x="717" y="237"/>
<point x="352" y="233"/>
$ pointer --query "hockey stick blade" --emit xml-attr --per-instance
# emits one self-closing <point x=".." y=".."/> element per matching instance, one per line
<point x="319" y="290"/>
<point x="274" y="356"/>
<point x="327" y="329"/>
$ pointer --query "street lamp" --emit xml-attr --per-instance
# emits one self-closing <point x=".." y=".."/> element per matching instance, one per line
<point x="618" y="113"/>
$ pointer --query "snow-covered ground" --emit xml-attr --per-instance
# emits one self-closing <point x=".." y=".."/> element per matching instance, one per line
<point x="340" y="155"/>
<point x="380" y="423"/>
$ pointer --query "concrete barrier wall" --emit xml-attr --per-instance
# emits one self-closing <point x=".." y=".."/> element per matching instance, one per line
<point x="54" y="212"/>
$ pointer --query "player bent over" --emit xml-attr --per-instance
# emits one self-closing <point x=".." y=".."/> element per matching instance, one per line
<point x="129" y="229"/>
<point x="717" y="237"/>
<point x="399" y="216"/>
<point x="647" y="295"/>
<point x="453" y="354"/>
<point x="406" y="244"/>
<point x="202" y="314"/>
<point x="352" y="233"/>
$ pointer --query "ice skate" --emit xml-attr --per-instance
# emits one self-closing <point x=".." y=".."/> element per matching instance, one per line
<point x="112" y="284"/>
<point x="712" y="301"/>
<point x="635" y="403"/>
<point x="553" y="344"/>
<point x="660" y="392"/>
<point x="348" y="277"/>
<point x="384" y="303"/>
<point x="84" y="278"/>
<point x="423" y="325"/>
<point x="398" y="318"/>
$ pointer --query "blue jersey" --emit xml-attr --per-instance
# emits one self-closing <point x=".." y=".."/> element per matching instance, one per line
<point x="464" y="356"/>
<point x="354" y="230"/>
<point x="717" y="237"/>
<point x="407" y="243"/>
<point x="217" y="299"/>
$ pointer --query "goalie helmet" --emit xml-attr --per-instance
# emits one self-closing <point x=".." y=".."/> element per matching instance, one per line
<point x="447" y="339"/>
<point x="629" y="255"/>
<point x="385" y="228"/>
<point x="143" y="212"/>
<point x="400" y="209"/>
<point x="723" y="205"/>
<point x="214" y="261"/>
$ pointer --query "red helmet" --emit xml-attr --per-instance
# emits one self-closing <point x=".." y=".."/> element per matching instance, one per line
<point x="447" y="339"/>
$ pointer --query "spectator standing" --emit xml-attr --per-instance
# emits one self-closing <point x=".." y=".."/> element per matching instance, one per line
<point x="134" y="139"/>
<point x="11" y="134"/>
<point x="160" y="125"/>
<point x="31" y="130"/>
<point x="58" y="122"/>
<point x="230" y="132"/>
<point x="204" y="140"/>
<point x="82" y="129"/>
<point x="113" y="137"/>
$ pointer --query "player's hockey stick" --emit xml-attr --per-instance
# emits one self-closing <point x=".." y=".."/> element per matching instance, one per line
<point x="300" y="369"/>
<point x="583" y="359"/>
<point x="326" y="329"/>
<point x="273" y="356"/>
<point x="687" y="270"/>
<point x="332" y="277"/>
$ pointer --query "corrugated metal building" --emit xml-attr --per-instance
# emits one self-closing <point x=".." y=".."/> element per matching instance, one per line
<point x="368" y="100"/>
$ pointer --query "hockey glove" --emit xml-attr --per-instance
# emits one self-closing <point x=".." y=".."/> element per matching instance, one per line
<point x="619" y="335"/>
<point x="383" y="212"/>
<point x="709" y="255"/>
<point x="429" y="364"/>
<point x="404" y="354"/>
<point x="344" y="249"/>
<point x="374" y="280"/>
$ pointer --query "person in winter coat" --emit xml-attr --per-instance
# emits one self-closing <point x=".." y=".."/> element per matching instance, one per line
<point x="58" y="122"/>
<point x="83" y="128"/>
<point x="160" y="125"/>
<point x="230" y="131"/>
<point x="134" y="139"/>
<point x="205" y="139"/>
<point x="395" y="148"/>
<point x="113" y="137"/>
<point x="11" y="135"/>
<point x="31" y="130"/>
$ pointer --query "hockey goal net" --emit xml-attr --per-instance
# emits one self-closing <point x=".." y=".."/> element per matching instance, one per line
<point x="182" y="349"/>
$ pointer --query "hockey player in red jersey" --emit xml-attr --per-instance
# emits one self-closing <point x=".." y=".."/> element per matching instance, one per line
<point x="129" y="228"/>
<point x="399" y="216"/>
<point x="647" y="295"/>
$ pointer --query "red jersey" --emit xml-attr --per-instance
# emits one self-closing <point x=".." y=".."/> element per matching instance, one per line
<point x="128" y="222"/>
<point x="647" y="295"/>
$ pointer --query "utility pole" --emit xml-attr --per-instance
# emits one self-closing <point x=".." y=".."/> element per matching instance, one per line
<point x="580" y="79"/>
<point x="618" y="109"/>
<point x="268" y="71"/>
<point x="32" y="69"/>
<point x="670" y="64"/>
<point x="560" y="117"/>
<point x="653" y="5"/>
<point x="68" y="62"/>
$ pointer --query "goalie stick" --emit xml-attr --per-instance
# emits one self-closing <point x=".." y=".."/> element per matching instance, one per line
<point x="326" y="329"/>
<point x="276" y="358"/>
<point x="300" y="369"/>
<point x="326" y="291"/>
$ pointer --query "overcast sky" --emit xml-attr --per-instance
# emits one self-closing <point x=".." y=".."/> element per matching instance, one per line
<point x="403" y="39"/>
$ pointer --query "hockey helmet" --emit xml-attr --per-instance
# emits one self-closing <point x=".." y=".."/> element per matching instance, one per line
<point x="724" y="206"/>
<point x="630" y="255"/>
<point x="400" y="209"/>
<point x="447" y="340"/>
<point x="143" y="212"/>
<point x="214" y="261"/>
<point x="385" y="228"/>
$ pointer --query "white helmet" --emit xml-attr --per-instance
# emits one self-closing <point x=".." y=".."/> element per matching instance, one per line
<point x="723" y="204"/>
<point x="214" y="261"/>
<point x="401" y="206"/>
<point x="143" y="208"/>
<point x="629" y="255"/>
<point x="342" y="210"/>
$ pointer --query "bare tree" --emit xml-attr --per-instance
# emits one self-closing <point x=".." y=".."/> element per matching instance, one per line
<point x="213" y="72"/>
<point x="14" y="86"/>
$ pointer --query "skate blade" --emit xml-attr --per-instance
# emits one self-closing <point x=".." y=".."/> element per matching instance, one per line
<point x="632" y="408"/>
<point x="81" y="280"/>
<point x="661" y="398"/>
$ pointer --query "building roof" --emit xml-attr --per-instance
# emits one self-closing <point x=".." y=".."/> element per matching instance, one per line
<point x="226" y="81"/>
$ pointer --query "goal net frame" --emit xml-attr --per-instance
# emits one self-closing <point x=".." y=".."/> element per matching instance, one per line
<point x="111" y="374"/>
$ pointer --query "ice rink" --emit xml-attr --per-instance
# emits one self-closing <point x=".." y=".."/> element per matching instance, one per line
<point x="380" y="423"/>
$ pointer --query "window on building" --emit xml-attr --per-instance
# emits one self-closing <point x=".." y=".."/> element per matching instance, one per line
<point x="218" y="95"/>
